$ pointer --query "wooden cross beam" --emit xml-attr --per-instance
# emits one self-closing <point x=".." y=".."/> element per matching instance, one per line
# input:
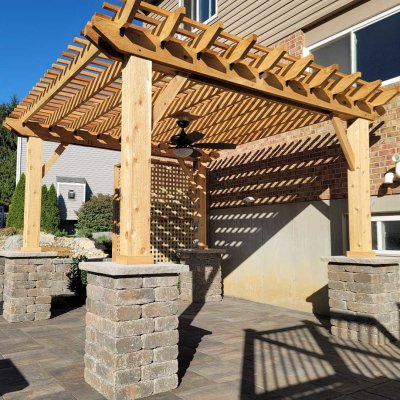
<point x="212" y="69"/>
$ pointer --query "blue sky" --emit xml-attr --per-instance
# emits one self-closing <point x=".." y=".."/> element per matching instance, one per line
<point x="33" y="35"/>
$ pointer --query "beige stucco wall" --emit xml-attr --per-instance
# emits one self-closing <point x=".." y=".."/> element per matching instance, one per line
<point x="274" y="251"/>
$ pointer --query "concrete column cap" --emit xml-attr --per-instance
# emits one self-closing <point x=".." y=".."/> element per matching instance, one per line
<point x="111" y="268"/>
<point x="372" y="261"/>
<point x="27" y="254"/>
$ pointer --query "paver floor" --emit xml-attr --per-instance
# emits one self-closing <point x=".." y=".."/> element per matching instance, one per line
<point x="235" y="349"/>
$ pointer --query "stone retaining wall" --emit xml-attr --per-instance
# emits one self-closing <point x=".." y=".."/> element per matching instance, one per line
<point x="364" y="299"/>
<point x="131" y="335"/>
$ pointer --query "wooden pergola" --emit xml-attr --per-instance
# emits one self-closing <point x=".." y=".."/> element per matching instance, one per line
<point x="120" y="85"/>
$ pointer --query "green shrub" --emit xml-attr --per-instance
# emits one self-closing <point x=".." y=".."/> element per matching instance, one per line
<point x="106" y="242"/>
<point x="15" y="217"/>
<point x="96" y="215"/>
<point x="50" y="212"/>
<point x="77" y="279"/>
<point x="43" y="213"/>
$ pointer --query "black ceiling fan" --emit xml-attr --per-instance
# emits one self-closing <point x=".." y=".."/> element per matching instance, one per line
<point x="184" y="144"/>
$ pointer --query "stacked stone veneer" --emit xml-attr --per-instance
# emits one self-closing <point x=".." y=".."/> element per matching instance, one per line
<point x="28" y="281"/>
<point x="364" y="299"/>
<point x="131" y="334"/>
<point x="203" y="282"/>
<point x="27" y="286"/>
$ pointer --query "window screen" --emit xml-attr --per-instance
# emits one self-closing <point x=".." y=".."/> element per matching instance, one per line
<point x="378" y="49"/>
<point x="335" y="52"/>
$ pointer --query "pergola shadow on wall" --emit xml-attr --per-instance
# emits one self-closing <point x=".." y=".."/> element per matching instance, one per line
<point x="121" y="85"/>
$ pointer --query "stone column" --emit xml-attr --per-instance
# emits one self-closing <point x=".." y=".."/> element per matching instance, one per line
<point x="363" y="298"/>
<point x="203" y="282"/>
<point x="27" y="285"/>
<point x="131" y="329"/>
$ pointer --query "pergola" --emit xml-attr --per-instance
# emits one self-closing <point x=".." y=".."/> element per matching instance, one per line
<point x="120" y="85"/>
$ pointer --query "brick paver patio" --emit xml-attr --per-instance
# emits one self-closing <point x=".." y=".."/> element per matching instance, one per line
<point x="230" y="350"/>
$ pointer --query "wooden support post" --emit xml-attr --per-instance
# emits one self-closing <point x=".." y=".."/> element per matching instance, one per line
<point x="135" y="162"/>
<point x="33" y="196"/>
<point x="359" y="196"/>
<point x="201" y="204"/>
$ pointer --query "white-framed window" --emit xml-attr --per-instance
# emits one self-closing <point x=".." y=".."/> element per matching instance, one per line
<point x="201" y="10"/>
<point x="371" y="47"/>
<point x="386" y="234"/>
<point x="385" y="229"/>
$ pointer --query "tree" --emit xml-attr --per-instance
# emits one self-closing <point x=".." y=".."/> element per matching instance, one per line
<point x="16" y="212"/>
<point x="50" y="212"/>
<point x="43" y="212"/>
<point x="8" y="155"/>
<point x="96" y="215"/>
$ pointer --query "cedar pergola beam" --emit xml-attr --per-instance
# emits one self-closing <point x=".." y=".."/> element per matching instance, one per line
<point x="215" y="69"/>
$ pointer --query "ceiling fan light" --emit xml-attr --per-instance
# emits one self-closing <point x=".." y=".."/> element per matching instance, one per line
<point x="183" y="152"/>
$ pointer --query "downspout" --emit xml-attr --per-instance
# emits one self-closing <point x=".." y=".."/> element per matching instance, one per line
<point x="19" y="158"/>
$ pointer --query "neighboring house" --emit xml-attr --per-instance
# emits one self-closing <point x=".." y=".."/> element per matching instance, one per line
<point x="300" y="212"/>
<point x="79" y="173"/>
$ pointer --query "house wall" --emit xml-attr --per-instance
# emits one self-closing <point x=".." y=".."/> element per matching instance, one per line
<point x="299" y="181"/>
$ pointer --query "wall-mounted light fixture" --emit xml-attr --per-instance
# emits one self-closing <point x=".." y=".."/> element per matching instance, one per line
<point x="71" y="194"/>
<point x="249" y="200"/>
<point x="391" y="176"/>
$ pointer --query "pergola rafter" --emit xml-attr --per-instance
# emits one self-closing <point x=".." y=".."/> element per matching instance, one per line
<point x="238" y="90"/>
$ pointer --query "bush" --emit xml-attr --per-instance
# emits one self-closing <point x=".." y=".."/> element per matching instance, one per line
<point x="96" y="215"/>
<point x="50" y="212"/>
<point x="77" y="279"/>
<point x="15" y="217"/>
<point x="106" y="242"/>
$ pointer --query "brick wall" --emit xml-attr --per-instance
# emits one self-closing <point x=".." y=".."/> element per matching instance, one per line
<point x="304" y="164"/>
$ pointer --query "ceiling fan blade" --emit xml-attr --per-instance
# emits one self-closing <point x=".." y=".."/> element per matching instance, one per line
<point x="194" y="136"/>
<point x="196" y="154"/>
<point x="218" y="146"/>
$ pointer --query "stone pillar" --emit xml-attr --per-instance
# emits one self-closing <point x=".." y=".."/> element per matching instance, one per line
<point x="203" y="282"/>
<point x="131" y="329"/>
<point x="363" y="298"/>
<point x="27" y="285"/>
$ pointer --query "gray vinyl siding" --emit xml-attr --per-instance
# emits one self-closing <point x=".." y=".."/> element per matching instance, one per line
<point x="271" y="20"/>
<point x="95" y="165"/>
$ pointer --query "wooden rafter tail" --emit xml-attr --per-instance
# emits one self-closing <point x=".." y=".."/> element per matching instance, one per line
<point x="170" y="25"/>
<point x="361" y="92"/>
<point x="241" y="49"/>
<point x="343" y="84"/>
<point x="269" y="60"/>
<point x="383" y="97"/>
<point x="295" y="69"/>
<point x="126" y="14"/>
<point x="207" y="38"/>
<point x="344" y="143"/>
<point x="322" y="76"/>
